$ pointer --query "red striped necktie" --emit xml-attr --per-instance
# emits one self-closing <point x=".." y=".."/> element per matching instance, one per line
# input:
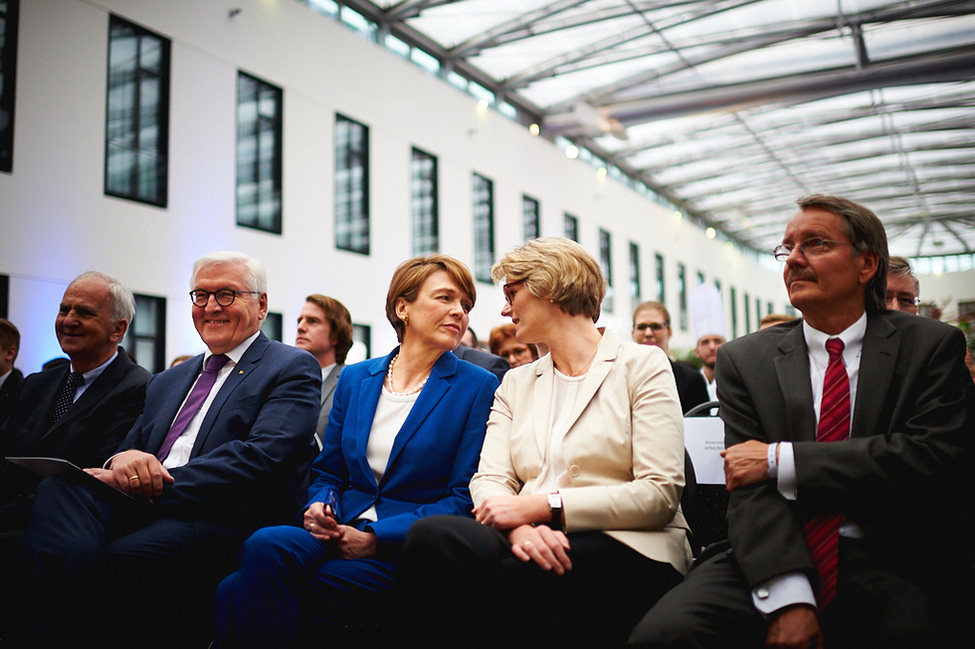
<point x="822" y="532"/>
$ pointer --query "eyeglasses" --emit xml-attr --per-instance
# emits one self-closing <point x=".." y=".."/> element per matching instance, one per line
<point x="809" y="248"/>
<point x="904" y="300"/>
<point x="224" y="297"/>
<point x="509" y="294"/>
<point x="655" y="327"/>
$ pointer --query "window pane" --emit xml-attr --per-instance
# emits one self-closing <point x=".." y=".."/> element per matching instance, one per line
<point x="606" y="264"/>
<point x="258" y="154"/>
<point x="483" y="228"/>
<point x="351" y="185"/>
<point x="635" y="291"/>
<point x="424" y="203"/>
<point x="571" y="227"/>
<point x="137" y="114"/>
<point x="529" y="217"/>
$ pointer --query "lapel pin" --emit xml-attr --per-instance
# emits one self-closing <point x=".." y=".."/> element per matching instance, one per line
<point x="241" y="372"/>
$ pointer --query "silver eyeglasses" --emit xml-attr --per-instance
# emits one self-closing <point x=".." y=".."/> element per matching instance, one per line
<point x="224" y="297"/>
<point x="809" y="248"/>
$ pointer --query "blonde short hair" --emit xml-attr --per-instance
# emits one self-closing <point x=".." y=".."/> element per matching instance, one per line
<point x="556" y="269"/>
<point x="409" y="277"/>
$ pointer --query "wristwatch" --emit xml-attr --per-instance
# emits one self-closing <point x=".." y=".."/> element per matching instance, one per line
<point x="555" y="506"/>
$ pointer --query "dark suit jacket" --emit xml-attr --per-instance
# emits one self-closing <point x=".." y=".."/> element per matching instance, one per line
<point x="87" y="434"/>
<point x="328" y="393"/>
<point x="492" y="363"/>
<point x="243" y="465"/>
<point x="431" y="462"/>
<point x="8" y="394"/>
<point x="691" y="386"/>
<point x="905" y="473"/>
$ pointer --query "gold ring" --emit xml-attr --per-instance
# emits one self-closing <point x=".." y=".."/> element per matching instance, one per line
<point x="134" y="477"/>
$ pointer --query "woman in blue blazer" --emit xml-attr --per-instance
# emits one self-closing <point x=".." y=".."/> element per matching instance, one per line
<point x="402" y="443"/>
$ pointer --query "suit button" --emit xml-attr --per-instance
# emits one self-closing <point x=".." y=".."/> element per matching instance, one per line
<point x="762" y="593"/>
<point x="574" y="471"/>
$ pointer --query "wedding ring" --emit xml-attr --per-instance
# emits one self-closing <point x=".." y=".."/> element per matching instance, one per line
<point x="526" y="545"/>
<point x="134" y="477"/>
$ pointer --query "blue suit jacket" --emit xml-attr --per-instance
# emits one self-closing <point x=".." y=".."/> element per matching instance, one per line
<point x="431" y="462"/>
<point x="243" y="464"/>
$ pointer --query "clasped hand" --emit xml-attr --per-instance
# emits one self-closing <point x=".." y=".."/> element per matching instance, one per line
<point x="745" y="464"/>
<point x="135" y="473"/>
<point x="350" y="542"/>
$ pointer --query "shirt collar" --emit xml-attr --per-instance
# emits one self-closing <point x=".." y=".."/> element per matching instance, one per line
<point x="237" y="352"/>
<point x="92" y="374"/>
<point x="852" y="338"/>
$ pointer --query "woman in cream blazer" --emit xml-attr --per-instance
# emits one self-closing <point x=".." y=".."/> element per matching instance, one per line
<point x="578" y="527"/>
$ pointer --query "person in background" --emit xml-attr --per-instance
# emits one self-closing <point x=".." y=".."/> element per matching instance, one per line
<point x="504" y="344"/>
<point x="402" y="443"/>
<point x="577" y="495"/>
<point x="10" y="376"/>
<point x="903" y="289"/>
<point x="651" y="326"/>
<point x="773" y="319"/>
<point x="707" y="316"/>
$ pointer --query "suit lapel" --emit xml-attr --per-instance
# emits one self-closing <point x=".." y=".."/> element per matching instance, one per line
<point x="436" y="387"/>
<point x="792" y="370"/>
<point x="328" y="385"/>
<point x="877" y="360"/>
<point x="542" y="401"/>
<point x="238" y="374"/>
<point x="602" y="363"/>
<point x="370" y="390"/>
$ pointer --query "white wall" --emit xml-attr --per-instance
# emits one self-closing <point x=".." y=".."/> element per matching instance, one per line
<point x="57" y="223"/>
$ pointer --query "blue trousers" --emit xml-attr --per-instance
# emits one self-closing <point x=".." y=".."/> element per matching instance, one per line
<point x="288" y="582"/>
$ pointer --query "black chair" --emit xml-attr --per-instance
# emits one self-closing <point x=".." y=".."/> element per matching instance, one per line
<point x="709" y="503"/>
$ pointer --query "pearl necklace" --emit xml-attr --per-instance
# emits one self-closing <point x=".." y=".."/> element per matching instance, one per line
<point x="389" y="381"/>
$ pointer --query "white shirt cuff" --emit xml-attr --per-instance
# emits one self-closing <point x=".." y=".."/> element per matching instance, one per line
<point x="784" y="590"/>
<point x="786" y="482"/>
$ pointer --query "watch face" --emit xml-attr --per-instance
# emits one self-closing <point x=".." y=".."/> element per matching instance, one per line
<point x="555" y="501"/>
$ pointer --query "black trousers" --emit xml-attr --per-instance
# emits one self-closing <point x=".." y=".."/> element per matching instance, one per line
<point x="712" y="608"/>
<point x="459" y="585"/>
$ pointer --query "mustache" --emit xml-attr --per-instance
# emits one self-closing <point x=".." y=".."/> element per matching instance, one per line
<point x="803" y="274"/>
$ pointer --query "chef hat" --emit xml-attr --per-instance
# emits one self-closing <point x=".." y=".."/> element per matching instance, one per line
<point x="707" y="312"/>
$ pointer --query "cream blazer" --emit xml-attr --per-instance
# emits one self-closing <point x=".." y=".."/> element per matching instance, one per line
<point x="624" y="449"/>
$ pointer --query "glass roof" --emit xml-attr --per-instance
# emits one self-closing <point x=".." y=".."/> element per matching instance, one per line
<point x="732" y="109"/>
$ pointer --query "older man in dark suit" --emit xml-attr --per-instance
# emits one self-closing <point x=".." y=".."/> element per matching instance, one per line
<point x="212" y="458"/>
<point x="849" y="437"/>
<point x="79" y="412"/>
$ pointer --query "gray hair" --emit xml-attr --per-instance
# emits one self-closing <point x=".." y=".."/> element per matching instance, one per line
<point x="123" y="302"/>
<point x="255" y="276"/>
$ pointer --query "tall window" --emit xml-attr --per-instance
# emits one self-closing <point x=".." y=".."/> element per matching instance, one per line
<point x="423" y="182"/>
<point x="748" y="315"/>
<point x="758" y="311"/>
<point x="137" y="114"/>
<point x="734" y="313"/>
<point x="717" y="284"/>
<point x="700" y="278"/>
<point x="147" y="333"/>
<point x="770" y="310"/>
<point x="606" y="264"/>
<point x="259" y="107"/>
<point x="658" y="274"/>
<point x="682" y="293"/>
<point x="530" y="218"/>
<point x="483" y="227"/>
<point x="273" y="326"/>
<point x="634" y="275"/>
<point x="8" y="78"/>
<point x="351" y="185"/>
<point x="571" y="227"/>
<point x="362" y="335"/>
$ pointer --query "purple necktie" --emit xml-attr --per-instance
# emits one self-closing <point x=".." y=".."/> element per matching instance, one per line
<point x="822" y="532"/>
<point x="193" y="402"/>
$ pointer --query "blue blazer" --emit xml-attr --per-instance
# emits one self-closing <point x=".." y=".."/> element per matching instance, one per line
<point x="433" y="457"/>
<point x="243" y="465"/>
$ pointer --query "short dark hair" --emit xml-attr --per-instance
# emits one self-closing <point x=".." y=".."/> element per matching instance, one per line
<point x="866" y="234"/>
<point x="9" y="336"/>
<point x="339" y="321"/>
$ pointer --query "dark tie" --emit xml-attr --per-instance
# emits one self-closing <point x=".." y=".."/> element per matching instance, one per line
<point x="66" y="398"/>
<point x="823" y="532"/>
<point x="193" y="402"/>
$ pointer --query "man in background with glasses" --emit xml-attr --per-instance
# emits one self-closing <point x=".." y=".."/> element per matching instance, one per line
<point x="213" y="457"/>
<point x="903" y="288"/>
<point x="848" y="440"/>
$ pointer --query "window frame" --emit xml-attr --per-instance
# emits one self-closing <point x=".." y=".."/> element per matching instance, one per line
<point x="483" y="209"/>
<point x="352" y="221"/>
<point x="255" y="164"/>
<point x="8" y="84"/>
<point x="425" y="223"/>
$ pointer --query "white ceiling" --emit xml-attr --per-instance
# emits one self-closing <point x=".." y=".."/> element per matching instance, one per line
<point x="732" y="109"/>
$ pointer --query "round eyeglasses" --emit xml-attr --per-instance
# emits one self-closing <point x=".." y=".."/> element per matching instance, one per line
<point x="224" y="297"/>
